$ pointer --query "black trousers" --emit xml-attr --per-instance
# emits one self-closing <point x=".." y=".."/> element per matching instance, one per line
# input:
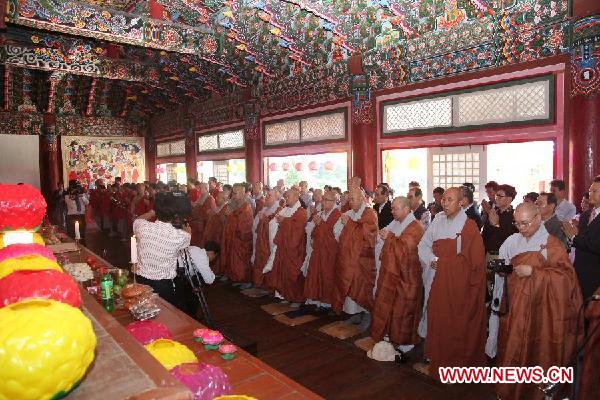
<point x="176" y="291"/>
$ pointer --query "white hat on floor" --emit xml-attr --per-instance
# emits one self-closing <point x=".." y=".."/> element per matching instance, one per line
<point x="383" y="351"/>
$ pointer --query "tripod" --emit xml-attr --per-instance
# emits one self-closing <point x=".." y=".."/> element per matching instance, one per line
<point x="196" y="283"/>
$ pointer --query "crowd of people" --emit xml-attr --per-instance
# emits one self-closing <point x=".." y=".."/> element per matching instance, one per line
<point x="404" y="270"/>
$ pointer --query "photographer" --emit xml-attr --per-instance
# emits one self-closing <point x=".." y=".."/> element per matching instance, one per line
<point x="159" y="244"/>
<point x="76" y="201"/>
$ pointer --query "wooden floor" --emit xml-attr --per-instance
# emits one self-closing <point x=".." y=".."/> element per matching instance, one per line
<point x="332" y="368"/>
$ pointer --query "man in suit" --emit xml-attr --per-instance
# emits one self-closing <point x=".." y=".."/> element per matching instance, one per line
<point x="468" y="204"/>
<point x="546" y="204"/>
<point x="383" y="206"/>
<point x="586" y="240"/>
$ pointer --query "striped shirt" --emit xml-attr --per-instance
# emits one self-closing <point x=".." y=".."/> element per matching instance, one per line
<point x="159" y="244"/>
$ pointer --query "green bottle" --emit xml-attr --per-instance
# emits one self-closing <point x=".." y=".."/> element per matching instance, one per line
<point x="106" y="291"/>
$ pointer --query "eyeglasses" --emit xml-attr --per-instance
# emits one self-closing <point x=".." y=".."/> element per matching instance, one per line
<point x="500" y="195"/>
<point x="524" y="224"/>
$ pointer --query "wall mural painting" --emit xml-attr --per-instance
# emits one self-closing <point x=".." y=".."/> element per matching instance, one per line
<point x="91" y="158"/>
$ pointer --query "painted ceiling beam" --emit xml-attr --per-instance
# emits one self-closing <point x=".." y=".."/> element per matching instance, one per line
<point x="81" y="19"/>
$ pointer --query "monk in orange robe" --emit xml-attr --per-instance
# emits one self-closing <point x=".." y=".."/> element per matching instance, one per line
<point x="455" y="312"/>
<point x="287" y="254"/>
<point x="356" y="231"/>
<point x="236" y="245"/>
<point x="258" y="197"/>
<point x="213" y="230"/>
<point x="262" y="243"/>
<point x="398" y="300"/>
<point x="540" y="325"/>
<point x="201" y="210"/>
<point x="322" y="249"/>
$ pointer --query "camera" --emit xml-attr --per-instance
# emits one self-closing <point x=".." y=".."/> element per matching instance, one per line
<point x="499" y="266"/>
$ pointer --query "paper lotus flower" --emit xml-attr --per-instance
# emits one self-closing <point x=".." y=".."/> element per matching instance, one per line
<point x="41" y="284"/>
<point x="21" y="207"/>
<point x="148" y="331"/>
<point x="45" y="349"/>
<point x="33" y="262"/>
<point x="227" y="351"/>
<point x="212" y="339"/>
<point x="198" y="333"/>
<point x="170" y="353"/>
<point x="204" y="380"/>
<point x="20" y="249"/>
<point x="23" y="237"/>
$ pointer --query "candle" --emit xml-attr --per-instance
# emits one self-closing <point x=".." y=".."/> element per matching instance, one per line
<point x="77" y="234"/>
<point x="134" y="257"/>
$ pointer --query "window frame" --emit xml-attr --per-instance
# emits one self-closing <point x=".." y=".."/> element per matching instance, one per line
<point x="170" y="155"/>
<point x="218" y="133"/>
<point x="299" y="118"/>
<point x="550" y="78"/>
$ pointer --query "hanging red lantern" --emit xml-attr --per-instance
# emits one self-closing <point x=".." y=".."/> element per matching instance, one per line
<point x="285" y="166"/>
<point x="312" y="166"/>
<point x="273" y="167"/>
<point x="329" y="166"/>
<point x="299" y="166"/>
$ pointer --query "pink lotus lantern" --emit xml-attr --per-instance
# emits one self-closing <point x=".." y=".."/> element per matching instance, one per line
<point x="148" y="331"/>
<point x="212" y="339"/>
<point x="227" y="351"/>
<point x="204" y="380"/>
<point x="199" y="333"/>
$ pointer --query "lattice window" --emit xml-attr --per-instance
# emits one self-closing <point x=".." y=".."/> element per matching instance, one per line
<point x="173" y="148"/>
<point x="324" y="127"/>
<point x="422" y="114"/>
<point x="208" y="143"/>
<point x="231" y="140"/>
<point x="163" y="149"/>
<point x="282" y="132"/>
<point x="507" y="104"/>
<point x="455" y="166"/>
<point x="178" y="147"/>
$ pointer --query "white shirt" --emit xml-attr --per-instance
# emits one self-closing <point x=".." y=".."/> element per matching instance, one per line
<point x="565" y="211"/>
<point x="594" y="214"/>
<point x="72" y="204"/>
<point x="159" y="244"/>
<point x="440" y="228"/>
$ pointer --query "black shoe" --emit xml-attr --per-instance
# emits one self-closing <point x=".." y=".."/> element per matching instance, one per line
<point x="401" y="357"/>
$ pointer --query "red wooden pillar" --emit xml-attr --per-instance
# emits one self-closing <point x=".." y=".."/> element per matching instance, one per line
<point x="191" y="168"/>
<point x="364" y="143"/>
<point x="50" y="163"/>
<point x="584" y="143"/>
<point x="584" y="107"/>
<point x="253" y="148"/>
<point x="150" y="159"/>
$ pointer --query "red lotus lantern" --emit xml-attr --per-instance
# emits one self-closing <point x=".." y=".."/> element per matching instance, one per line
<point x="273" y="167"/>
<point x="329" y="166"/>
<point x="299" y="166"/>
<point x="285" y="166"/>
<point x="45" y="284"/>
<point x="22" y="207"/>
<point x="312" y="166"/>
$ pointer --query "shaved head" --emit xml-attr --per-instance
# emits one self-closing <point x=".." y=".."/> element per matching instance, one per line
<point x="451" y="201"/>
<point x="400" y="208"/>
<point x="329" y="200"/>
<point x="291" y="197"/>
<point x="357" y="198"/>
<point x="527" y="219"/>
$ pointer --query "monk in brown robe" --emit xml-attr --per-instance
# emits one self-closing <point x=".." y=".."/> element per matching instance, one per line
<point x="455" y="312"/>
<point x="236" y="245"/>
<point x="322" y="249"/>
<point x="213" y="230"/>
<point x="398" y="300"/>
<point x="262" y="247"/>
<point x="590" y="373"/>
<point x="288" y="253"/>
<point x="201" y="210"/>
<point x="258" y="196"/>
<point x="356" y="231"/>
<point x="539" y="328"/>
